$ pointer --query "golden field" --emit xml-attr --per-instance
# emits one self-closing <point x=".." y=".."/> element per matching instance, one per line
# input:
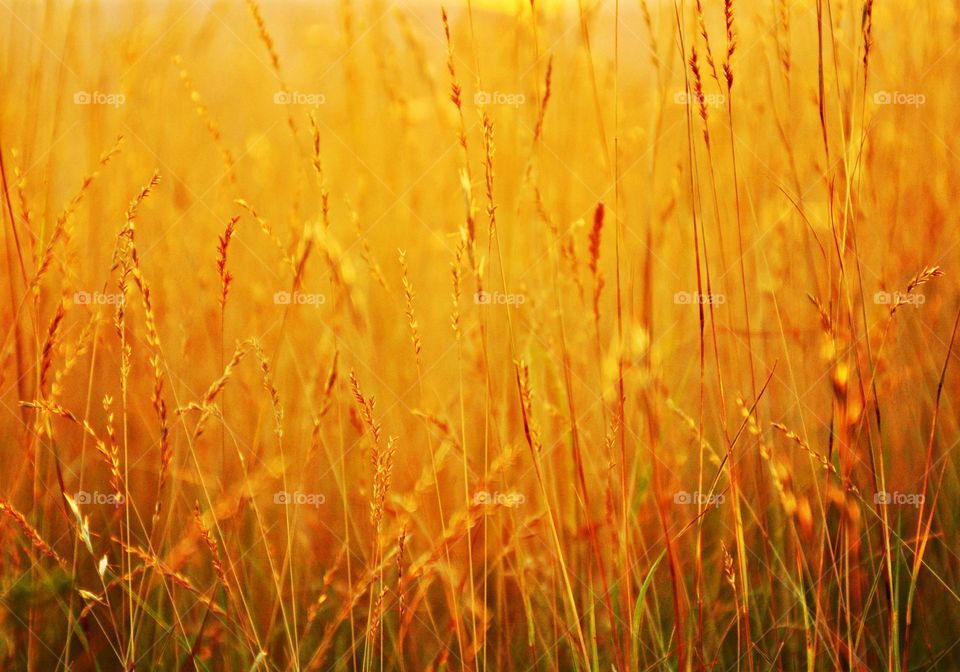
<point x="500" y="336"/>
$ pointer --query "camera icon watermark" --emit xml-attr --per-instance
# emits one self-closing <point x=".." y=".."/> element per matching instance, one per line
<point x="700" y="498"/>
<point x="507" y="499"/>
<point x="299" y="98"/>
<point x="898" y="498"/>
<point x="284" y="498"/>
<point x="708" y="99"/>
<point x="899" y="299"/>
<point x="914" y="100"/>
<point x="98" y="498"/>
<point x="696" y="298"/>
<point x="484" y="298"/>
<point x="84" y="298"/>
<point x="298" y="299"/>
<point x="99" y="98"/>
<point x="484" y="98"/>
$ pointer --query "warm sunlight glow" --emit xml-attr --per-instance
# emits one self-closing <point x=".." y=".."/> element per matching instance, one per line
<point x="564" y="336"/>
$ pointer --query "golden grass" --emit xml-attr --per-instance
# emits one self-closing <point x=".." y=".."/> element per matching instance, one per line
<point x="563" y="336"/>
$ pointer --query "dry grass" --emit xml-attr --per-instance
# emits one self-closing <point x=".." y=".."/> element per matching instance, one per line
<point x="565" y="336"/>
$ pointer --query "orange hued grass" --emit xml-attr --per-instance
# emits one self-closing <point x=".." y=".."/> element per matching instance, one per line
<point x="492" y="336"/>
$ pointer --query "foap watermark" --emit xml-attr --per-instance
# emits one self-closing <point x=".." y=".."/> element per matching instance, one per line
<point x="299" y="98"/>
<point x="696" y="298"/>
<point x="99" y="98"/>
<point x="314" y="499"/>
<point x="298" y="299"/>
<point x="484" y="298"/>
<point x="914" y="499"/>
<point x="708" y="99"/>
<point x="899" y="98"/>
<point x="507" y="499"/>
<point x="484" y="98"/>
<point x="99" y="498"/>
<point x="704" y="498"/>
<point x="899" y="299"/>
<point x="84" y="298"/>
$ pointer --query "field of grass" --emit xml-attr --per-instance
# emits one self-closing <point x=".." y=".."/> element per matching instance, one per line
<point x="371" y="335"/>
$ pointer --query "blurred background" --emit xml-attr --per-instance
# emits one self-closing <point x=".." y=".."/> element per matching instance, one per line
<point x="372" y="335"/>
